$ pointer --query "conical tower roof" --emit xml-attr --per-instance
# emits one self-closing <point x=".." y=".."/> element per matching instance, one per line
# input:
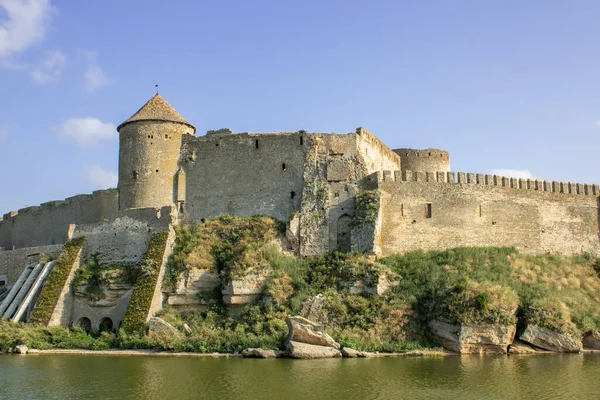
<point x="157" y="109"/>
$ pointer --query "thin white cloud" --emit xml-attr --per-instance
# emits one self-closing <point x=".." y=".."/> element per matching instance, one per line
<point x="513" y="173"/>
<point x="25" y="23"/>
<point x="49" y="69"/>
<point x="94" y="78"/>
<point x="87" y="132"/>
<point x="101" y="178"/>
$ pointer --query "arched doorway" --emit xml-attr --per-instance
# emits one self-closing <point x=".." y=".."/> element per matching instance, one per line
<point x="85" y="324"/>
<point x="106" y="325"/>
<point x="344" y="238"/>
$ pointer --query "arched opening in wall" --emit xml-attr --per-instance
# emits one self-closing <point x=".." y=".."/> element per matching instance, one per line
<point x="85" y="324"/>
<point x="344" y="238"/>
<point x="106" y="325"/>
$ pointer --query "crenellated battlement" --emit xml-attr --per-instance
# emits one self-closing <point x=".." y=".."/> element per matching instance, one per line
<point x="49" y="222"/>
<point x="490" y="180"/>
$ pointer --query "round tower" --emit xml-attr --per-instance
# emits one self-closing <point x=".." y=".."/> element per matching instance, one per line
<point x="149" y="147"/>
<point x="428" y="160"/>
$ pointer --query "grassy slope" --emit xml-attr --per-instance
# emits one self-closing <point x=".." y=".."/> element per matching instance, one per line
<point x="468" y="285"/>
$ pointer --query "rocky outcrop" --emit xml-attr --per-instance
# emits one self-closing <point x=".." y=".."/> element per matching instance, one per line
<point x="105" y="295"/>
<point x="185" y="297"/>
<point x="159" y="328"/>
<point x="592" y="341"/>
<point x="262" y="353"/>
<point x="367" y="286"/>
<point x="305" y="331"/>
<point x="310" y="351"/>
<point x="472" y="339"/>
<point x="243" y="290"/>
<point x="313" y="309"/>
<point x="550" y="340"/>
<point x="21" y="349"/>
<point x="519" y="347"/>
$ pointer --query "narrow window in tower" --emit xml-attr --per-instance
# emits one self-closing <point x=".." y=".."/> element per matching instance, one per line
<point x="134" y="175"/>
<point x="480" y="210"/>
<point x="292" y="195"/>
<point x="428" y="210"/>
<point x="283" y="167"/>
<point x="256" y="143"/>
<point x="402" y="209"/>
<point x="301" y="140"/>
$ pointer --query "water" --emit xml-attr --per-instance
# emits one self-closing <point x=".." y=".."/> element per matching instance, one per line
<point x="468" y="377"/>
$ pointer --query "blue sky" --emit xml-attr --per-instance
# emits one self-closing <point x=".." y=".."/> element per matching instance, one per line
<point x="505" y="85"/>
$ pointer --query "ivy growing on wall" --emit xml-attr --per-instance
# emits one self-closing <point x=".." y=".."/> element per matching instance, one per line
<point x="56" y="282"/>
<point x="367" y="207"/>
<point x="143" y="290"/>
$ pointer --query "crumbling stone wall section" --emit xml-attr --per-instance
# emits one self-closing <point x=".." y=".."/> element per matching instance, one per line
<point x="375" y="155"/>
<point x="124" y="239"/>
<point x="436" y="211"/>
<point x="50" y="223"/>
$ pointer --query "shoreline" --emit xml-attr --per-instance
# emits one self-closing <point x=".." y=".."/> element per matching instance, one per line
<point x="155" y="353"/>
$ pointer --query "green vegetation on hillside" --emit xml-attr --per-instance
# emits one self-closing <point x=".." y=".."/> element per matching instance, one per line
<point x="143" y="290"/>
<point x="94" y="274"/>
<point x="462" y="285"/>
<point x="56" y="281"/>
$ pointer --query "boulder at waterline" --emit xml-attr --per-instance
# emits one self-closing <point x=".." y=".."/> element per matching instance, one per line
<point x="592" y="341"/>
<point x="262" y="353"/>
<point x="21" y="349"/>
<point x="550" y="340"/>
<point x="473" y="339"/>
<point x="305" y="331"/>
<point x="310" y="351"/>
<point x="159" y="328"/>
<point x="351" y="353"/>
<point x="520" y="347"/>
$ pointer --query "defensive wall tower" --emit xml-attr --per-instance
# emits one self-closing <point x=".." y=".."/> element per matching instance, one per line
<point x="149" y="147"/>
<point x="427" y="160"/>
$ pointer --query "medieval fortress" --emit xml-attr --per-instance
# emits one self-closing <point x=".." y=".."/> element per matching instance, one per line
<point x="346" y="192"/>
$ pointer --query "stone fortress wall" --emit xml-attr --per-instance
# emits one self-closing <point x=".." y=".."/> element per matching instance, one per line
<point x="242" y="174"/>
<point x="437" y="210"/>
<point x="49" y="223"/>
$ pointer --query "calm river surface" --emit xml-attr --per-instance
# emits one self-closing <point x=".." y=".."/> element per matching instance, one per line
<point x="472" y="377"/>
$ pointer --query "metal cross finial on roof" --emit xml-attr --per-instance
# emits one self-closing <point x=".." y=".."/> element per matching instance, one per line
<point x="156" y="86"/>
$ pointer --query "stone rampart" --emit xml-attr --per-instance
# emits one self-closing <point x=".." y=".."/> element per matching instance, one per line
<point x="431" y="210"/>
<point x="376" y="155"/>
<point x="125" y="238"/>
<point x="49" y="223"/>
<point x="244" y="174"/>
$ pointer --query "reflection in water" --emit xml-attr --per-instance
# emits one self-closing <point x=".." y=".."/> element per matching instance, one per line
<point x="467" y="377"/>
